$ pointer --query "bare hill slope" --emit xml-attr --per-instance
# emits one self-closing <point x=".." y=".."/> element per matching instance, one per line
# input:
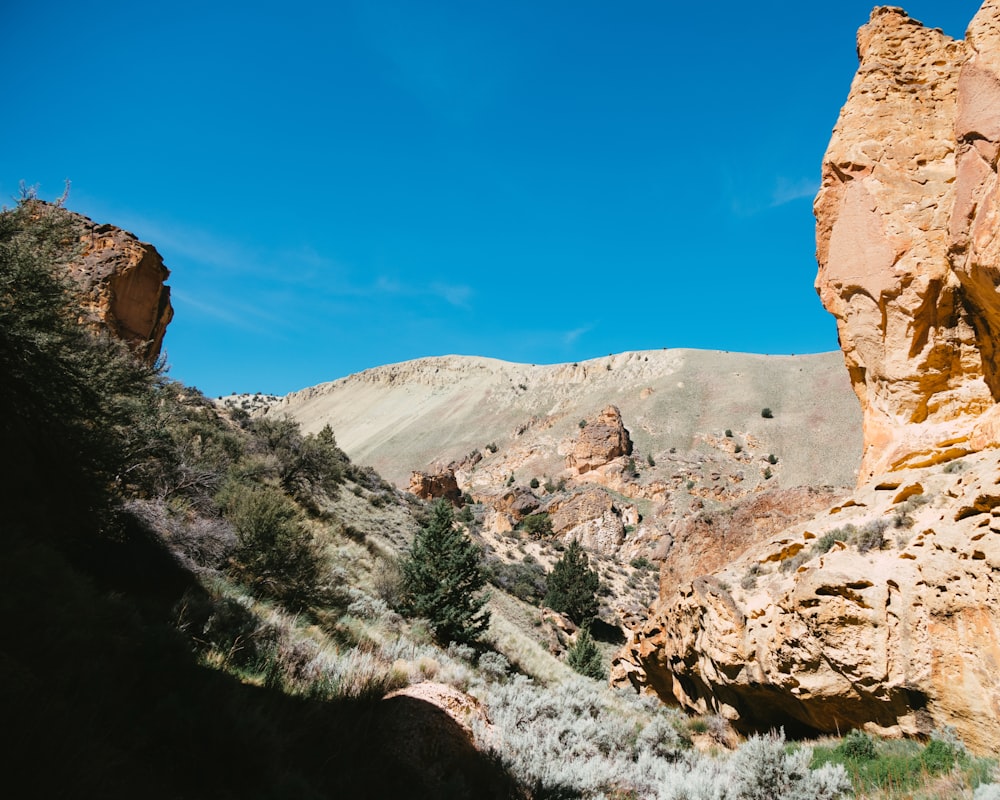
<point x="410" y="416"/>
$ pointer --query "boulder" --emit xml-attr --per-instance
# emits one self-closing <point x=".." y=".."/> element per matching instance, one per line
<point x="594" y="518"/>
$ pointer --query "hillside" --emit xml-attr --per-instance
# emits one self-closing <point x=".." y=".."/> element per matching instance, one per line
<point x="410" y="416"/>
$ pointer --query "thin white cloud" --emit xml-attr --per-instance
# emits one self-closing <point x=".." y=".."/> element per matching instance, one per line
<point x="570" y="337"/>
<point x="787" y="191"/>
<point x="239" y="315"/>
<point x="457" y="295"/>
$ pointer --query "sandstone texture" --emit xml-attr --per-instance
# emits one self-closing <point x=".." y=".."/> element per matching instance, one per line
<point x="428" y="486"/>
<point x="893" y="628"/>
<point x="122" y="286"/>
<point x="594" y="518"/>
<point x="907" y="239"/>
<point x="600" y="442"/>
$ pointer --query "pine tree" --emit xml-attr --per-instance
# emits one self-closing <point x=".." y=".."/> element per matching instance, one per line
<point x="584" y="656"/>
<point x="573" y="585"/>
<point x="443" y="579"/>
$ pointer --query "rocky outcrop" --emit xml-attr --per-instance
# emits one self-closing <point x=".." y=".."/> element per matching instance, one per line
<point x="431" y="486"/>
<point x="122" y="286"/>
<point x="595" y="519"/>
<point x="907" y="239"/>
<point x="703" y="542"/>
<point x="879" y="613"/>
<point x="600" y="442"/>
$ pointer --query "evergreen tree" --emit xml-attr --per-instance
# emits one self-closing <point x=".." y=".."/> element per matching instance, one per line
<point x="442" y="579"/>
<point x="584" y="656"/>
<point x="573" y="585"/>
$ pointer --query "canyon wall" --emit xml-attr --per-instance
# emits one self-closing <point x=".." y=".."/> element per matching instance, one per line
<point x="882" y="611"/>
<point x="906" y="239"/>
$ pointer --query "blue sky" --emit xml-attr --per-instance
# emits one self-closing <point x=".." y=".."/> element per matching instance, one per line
<point x="340" y="185"/>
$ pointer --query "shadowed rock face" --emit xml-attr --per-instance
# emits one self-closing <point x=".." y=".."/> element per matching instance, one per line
<point x="907" y="238"/>
<point x="122" y="286"/>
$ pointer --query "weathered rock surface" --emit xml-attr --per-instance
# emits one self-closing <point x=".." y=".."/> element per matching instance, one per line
<point x="901" y="638"/>
<point x="703" y="542"/>
<point x="431" y="486"/>
<point x="122" y="286"/>
<point x="907" y="239"/>
<point x="594" y="518"/>
<point x="600" y="442"/>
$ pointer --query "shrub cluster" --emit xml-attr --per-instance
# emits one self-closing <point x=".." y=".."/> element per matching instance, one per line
<point x="573" y="741"/>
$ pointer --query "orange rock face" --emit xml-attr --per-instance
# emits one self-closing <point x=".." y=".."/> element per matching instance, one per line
<point x="122" y="286"/>
<point x="428" y="486"/>
<point x="907" y="238"/>
<point x="880" y="612"/>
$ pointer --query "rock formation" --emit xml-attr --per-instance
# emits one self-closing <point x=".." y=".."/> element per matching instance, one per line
<point x="600" y="442"/>
<point x="907" y="239"/>
<point x="431" y="486"/>
<point x="594" y="518"/>
<point x="881" y="611"/>
<point x="122" y="286"/>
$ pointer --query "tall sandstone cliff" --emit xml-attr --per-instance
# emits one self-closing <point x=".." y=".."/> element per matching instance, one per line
<point x="907" y="239"/>
<point x="883" y="611"/>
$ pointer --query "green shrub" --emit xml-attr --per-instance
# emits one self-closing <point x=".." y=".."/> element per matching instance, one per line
<point x="526" y="581"/>
<point x="857" y="746"/>
<point x="825" y="542"/>
<point x="766" y="413"/>
<point x="533" y="483"/>
<point x="537" y="526"/>
<point x="584" y="657"/>
<point x="870" y="536"/>
<point x="494" y="666"/>
<point x="275" y="555"/>
<point x="573" y="585"/>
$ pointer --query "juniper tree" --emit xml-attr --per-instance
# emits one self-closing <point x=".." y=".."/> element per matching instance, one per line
<point x="573" y="585"/>
<point x="584" y="657"/>
<point x="443" y="579"/>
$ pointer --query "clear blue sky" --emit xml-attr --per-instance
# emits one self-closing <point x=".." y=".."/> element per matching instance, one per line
<point x="346" y="184"/>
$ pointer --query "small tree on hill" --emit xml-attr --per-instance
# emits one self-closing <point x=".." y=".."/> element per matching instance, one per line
<point x="584" y="657"/>
<point x="443" y="579"/>
<point x="573" y="585"/>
